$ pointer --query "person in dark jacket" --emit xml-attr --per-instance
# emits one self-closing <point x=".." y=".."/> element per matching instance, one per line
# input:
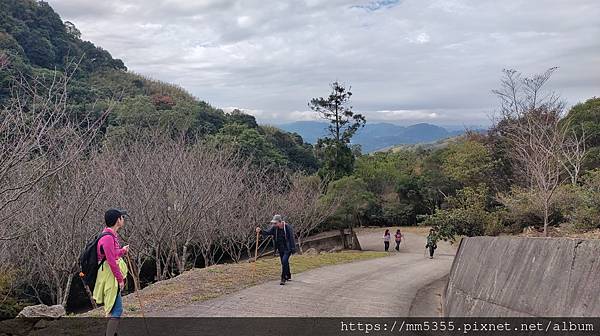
<point x="283" y="239"/>
<point x="431" y="242"/>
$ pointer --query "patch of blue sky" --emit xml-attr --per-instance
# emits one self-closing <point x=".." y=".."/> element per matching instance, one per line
<point x="377" y="5"/>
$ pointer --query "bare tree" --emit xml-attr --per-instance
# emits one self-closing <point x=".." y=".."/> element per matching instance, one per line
<point x="147" y="166"/>
<point x="304" y="207"/>
<point x="205" y="178"/>
<point x="254" y="203"/>
<point x="62" y="211"/>
<point x="184" y="201"/>
<point x="38" y="137"/>
<point x="530" y="119"/>
<point x="574" y="152"/>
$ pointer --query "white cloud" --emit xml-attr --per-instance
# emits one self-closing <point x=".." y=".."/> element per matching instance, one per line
<point x="401" y="115"/>
<point x="230" y="109"/>
<point x="433" y="60"/>
<point x="419" y="38"/>
<point x="450" y="6"/>
<point x="244" y="21"/>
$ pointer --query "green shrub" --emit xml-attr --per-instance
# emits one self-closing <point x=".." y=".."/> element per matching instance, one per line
<point x="584" y="212"/>
<point x="9" y="306"/>
<point x="467" y="215"/>
<point x="523" y="209"/>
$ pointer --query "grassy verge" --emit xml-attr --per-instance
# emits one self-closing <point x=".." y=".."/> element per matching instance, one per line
<point x="562" y="232"/>
<point x="208" y="283"/>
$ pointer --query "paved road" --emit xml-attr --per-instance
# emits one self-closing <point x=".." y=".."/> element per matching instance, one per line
<point x="378" y="287"/>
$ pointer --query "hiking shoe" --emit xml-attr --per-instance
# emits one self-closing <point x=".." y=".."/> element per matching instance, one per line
<point x="282" y="282"/>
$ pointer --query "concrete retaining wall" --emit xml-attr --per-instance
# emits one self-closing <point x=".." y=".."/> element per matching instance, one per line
<point x="326" y="241"/>
<point x="502" y="276"/>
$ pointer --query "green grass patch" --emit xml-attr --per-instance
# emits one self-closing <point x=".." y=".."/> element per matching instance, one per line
<point x="201" y="284"/>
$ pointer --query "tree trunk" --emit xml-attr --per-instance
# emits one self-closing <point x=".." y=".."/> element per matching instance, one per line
<point x="546" y="219"/>
<point x="66" y="292"/>
<point x="56" y="297"/>
<point x="158" y="268"/>
<point x="208" y="259"/>
<point x="337" y="124"/>
<point x="300" y="244"/>
<point x="181" y="262"/>
<point x="338" y="141"/>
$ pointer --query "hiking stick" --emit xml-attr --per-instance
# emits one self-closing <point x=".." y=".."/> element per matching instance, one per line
<point x="255" y="256"/>
<point x="256" y="249"/>
<point x="261" y="250"/>
<point x="88" y="291"/>
<point x="263" y="246"/>
<point x="136" y="285"/>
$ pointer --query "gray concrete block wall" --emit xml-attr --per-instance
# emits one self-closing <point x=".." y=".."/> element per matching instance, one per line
<point x="511" y="276"/>
<point x="334" y="240"/>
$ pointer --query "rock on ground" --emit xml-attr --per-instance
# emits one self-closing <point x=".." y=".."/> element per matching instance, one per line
<point x="43" y="311"/>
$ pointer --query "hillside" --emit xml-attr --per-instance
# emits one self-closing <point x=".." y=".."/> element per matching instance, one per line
<point x="376" y="136"/>
<point x="435" y="145"/>
<point x="35" y="42"/>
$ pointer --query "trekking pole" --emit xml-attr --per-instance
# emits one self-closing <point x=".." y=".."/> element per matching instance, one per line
<point x="137" y="289"/>
<point x="263" y="246"/>
<point x="256" y="248"/>
<point x="88" y="291"/>
<point x="255" y="256"/>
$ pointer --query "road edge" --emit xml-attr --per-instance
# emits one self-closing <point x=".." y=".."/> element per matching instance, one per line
<point x="428" y="302"/>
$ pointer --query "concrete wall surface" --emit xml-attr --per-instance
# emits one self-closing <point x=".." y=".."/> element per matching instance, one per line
<point x="513" y="276"/>
<point x="339" y="239"/>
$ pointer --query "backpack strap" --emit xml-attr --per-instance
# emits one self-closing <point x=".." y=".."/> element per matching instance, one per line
<point x="103" y="234"/>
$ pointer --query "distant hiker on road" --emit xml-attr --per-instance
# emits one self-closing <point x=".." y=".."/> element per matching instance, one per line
<point x="283" y="239"/>
<point x="386" y="240"/>
<point x="398" y="238"/>
<point x="112" y="269"/>
<point x="431" y="242"/>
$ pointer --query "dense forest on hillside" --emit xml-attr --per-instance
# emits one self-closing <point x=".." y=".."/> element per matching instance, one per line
<point x="79" y="133"/>
<point x="34" y="41"/>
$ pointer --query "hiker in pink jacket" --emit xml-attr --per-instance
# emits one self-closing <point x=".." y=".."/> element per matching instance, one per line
<point x="109" y="252"/>
<point x="398" y="239"/>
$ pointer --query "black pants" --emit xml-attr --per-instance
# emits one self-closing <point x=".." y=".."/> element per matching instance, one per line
<point x="397" y="245"/>
<point x="285" y="265"/>
<point x="431" y="250"/>
<point x="387" y="245"/>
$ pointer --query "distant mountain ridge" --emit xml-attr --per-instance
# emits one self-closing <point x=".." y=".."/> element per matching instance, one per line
<point x="376" y="136"/>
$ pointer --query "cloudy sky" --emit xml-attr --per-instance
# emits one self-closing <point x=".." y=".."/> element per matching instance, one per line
<point x="407" y="61"/>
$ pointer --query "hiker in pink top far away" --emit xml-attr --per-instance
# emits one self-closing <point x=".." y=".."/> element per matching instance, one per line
<point x="398" y="238"/>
